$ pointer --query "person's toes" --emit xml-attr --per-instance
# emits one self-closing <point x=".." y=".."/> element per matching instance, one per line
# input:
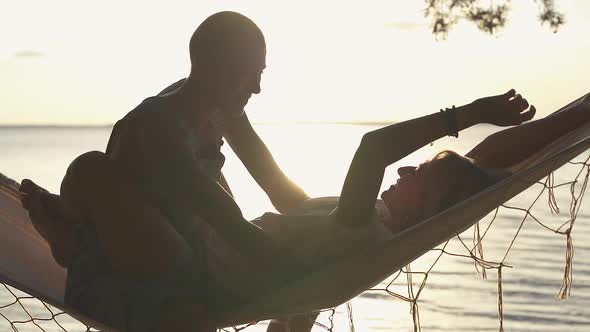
<point x="25" y="191"/>
<point x="27" y="186"/>
<point x="48" y="201"/>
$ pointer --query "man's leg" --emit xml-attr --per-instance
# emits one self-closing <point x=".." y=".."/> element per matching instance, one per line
<point x="137" y="239"/>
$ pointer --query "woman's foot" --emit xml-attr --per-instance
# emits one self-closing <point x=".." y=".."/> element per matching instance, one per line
<point x="30" y="195"/>
<point x="47" y="216"/>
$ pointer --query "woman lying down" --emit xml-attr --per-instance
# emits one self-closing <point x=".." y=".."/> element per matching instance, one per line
<point x="194" y="288"/>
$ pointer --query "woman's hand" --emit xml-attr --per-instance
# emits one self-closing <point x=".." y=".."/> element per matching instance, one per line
<point x="507" y="109"/>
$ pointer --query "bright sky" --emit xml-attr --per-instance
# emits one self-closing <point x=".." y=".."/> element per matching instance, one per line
<point x="90" y="62"/>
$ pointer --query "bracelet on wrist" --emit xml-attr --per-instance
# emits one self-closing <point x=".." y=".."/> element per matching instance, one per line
<point x="450" y="118"/>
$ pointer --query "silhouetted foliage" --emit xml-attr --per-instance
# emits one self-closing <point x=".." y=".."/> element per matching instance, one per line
<point x="489" y="16"/>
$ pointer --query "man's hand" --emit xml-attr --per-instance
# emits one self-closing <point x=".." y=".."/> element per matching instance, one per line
<point x="507" y="109"/>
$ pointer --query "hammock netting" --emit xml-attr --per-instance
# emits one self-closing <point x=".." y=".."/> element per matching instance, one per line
<point x="20" y="311"/>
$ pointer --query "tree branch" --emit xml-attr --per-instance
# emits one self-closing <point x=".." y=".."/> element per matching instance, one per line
<point x="489" y="18"/>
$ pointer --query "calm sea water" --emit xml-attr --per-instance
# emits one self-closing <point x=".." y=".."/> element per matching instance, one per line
<point x="317" y="158"/>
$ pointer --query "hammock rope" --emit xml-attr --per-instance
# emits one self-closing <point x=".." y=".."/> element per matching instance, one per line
<point x="18" y="315"/>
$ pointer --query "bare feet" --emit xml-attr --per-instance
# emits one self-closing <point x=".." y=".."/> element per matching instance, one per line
<point x="47" y="216"/>
<point x="30" y="195"/>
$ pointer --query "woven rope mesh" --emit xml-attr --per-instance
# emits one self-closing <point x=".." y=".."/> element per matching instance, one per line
<point x="21" y="312"/>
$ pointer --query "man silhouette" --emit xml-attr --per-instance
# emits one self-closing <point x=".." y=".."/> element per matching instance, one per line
<point x="165" y="154"/>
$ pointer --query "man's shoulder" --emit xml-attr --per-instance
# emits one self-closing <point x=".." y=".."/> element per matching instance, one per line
<point x="141" y="123"/>
<point x="154" y="108"/>
<point x="145" y="111"/>
<point x="151" y="114"/>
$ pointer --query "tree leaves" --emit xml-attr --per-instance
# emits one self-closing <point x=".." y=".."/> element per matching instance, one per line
<point x="489" y="16"/>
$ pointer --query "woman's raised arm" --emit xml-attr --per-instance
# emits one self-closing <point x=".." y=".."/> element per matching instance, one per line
<point x="384" y="146"/>
<point x="513" y="145"/>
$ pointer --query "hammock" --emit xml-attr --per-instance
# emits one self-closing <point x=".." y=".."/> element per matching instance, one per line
<point x="26" y="262"/>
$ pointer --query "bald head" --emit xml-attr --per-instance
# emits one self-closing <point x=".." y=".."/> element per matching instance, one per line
<point x="225" y="38"/>
<point x="228" y="55"/>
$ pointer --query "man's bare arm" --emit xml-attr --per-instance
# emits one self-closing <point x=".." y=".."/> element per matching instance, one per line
<point x="284" y="194"/>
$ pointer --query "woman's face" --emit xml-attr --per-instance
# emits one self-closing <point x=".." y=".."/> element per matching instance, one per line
<point x="416" y="193"/>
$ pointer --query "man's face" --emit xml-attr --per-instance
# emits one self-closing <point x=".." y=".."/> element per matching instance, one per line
<point x="241" y="78"/>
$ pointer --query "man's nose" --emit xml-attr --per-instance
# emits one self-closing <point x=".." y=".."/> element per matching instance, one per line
<point x="406" y="170"/>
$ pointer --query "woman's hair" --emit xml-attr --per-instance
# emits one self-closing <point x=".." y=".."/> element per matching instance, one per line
<point x="460" y="178"/>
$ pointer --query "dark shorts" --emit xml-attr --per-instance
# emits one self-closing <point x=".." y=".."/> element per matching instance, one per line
<point x="133" y="305"/>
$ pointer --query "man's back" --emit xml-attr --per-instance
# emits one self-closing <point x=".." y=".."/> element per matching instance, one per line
<point x="150" y="144"/>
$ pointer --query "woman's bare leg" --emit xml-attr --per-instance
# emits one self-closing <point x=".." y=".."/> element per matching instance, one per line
<point x="136" y="237"/>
